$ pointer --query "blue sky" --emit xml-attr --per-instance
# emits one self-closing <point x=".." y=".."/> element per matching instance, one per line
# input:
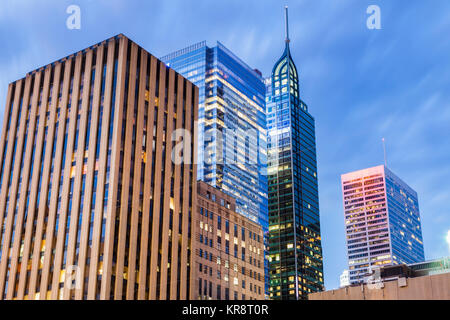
<point x="360" y="84"/>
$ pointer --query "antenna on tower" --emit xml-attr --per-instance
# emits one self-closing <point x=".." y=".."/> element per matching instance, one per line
<point x="384" y="149"/>
<point x="286" y="21"/>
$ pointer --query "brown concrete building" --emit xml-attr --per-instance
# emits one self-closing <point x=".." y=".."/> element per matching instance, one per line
<point x="91" y="204"/>
<point x="432" y="287"/>
<point x="229" y="250"/>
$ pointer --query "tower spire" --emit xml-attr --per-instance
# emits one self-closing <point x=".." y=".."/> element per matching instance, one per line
<point x="384" y="149"/>
<point x="286" y="21"/>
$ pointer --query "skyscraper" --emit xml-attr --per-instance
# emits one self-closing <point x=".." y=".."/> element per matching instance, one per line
<point x="382" y="221"/>
<point x="91" y="204"/>
<point x="232" y="131"/>
<point x="232" y="143"/>
<point x="295" y="251"/>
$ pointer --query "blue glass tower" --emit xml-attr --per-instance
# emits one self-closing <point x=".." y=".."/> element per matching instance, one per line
<point x="232" y="153"/>
<point x="232" y="129"/>
<point x="295" y="251"/>
<point x="404" y="220"/>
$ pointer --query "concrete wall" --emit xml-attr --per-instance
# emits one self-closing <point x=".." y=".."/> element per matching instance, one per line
<point x="434" y="287"/>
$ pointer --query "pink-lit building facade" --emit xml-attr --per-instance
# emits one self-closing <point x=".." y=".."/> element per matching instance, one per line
<point x="382" y="221"/>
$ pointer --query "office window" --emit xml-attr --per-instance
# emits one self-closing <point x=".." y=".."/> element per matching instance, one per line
<point x="210" y="288"/>
<point x="219" y="292"/>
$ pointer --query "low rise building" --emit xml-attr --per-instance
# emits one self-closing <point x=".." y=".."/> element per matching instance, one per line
<point x="429" y="280"/>
<point x="228" y="249"/>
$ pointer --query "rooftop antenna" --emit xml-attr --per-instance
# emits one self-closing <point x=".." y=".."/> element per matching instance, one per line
<point x="384" y="148"/>
<point x="286" y="20"/>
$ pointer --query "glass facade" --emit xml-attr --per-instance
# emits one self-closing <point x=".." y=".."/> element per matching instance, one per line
<point x="232" y="145"/>
<point x="382" y="221"/>
<point x="404" y="221"/>
<point x="295" y="252"/>
<point x="232" y="124"/>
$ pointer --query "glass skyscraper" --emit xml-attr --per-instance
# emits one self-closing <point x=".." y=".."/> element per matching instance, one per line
<point x="232" y="145"/>
<point x="295" y="251"/>
<point x="382" y="221"/>
<point x="232" y="129"/>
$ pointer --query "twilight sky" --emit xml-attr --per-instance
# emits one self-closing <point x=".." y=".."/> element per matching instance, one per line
<point x="360" y="84"/>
